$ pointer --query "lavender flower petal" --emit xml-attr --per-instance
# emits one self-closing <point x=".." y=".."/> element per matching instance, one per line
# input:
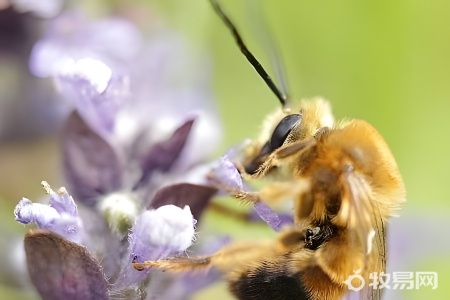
<point x="157" y="234"/>
<point x="61" y="201"/>
<point x="275" y="221"/>
<point x="42" y="215"/>
<point x="161" y="232"/>
<point x="181" y="194"/>
<point x="286" y="219"/>
<point x="61" y="216"/>
<point x="93" y="72"/>
<point x="90" y="164"/>
<point x="163" y="155"/>
<point x="97" y="93"/>
<point x="61" y="269"/>
<point x="226" y="173"/>
<point x="268" y="215"/>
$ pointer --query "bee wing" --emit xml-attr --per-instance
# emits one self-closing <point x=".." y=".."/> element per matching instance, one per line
<point x="360" y="212"/>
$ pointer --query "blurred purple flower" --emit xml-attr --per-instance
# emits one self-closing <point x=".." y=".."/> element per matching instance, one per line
<point x="138" y="123"/>
<point x="28" y="106"/>
<point x="43" y="8"/>
<point x="132" y="153"/>
<point x="412" y="240"/>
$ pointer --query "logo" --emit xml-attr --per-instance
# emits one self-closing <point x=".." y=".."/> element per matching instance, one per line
<point x="349" y="281"/>
<point x="394" y="281"/>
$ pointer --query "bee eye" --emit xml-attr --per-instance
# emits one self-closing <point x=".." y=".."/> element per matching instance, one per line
<point x="277" y="139"/>
<point x="282" y="130"/>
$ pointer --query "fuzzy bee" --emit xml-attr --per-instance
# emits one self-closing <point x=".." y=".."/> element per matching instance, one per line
<point x="344" y="185"/>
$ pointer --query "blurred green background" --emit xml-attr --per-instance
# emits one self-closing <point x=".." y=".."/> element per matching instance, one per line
<point x="387" y="62"/>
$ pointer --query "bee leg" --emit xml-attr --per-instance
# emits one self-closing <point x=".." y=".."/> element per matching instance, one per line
<point x="175" y="264"/>
<point x="321" y="132"/>
<point x="295" y="152"/>
<point x="225" y="259"/>
<point x="234" y="191"/>
<point x="272" y="193"/>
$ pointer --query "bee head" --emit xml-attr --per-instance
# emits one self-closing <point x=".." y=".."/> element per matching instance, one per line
<point x="286" y="126"/>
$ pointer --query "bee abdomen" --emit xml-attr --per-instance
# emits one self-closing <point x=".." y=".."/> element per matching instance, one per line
<point x="268" y="281"/>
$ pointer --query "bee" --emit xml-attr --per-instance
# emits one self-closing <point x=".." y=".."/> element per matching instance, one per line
<point x="344" y="184"/>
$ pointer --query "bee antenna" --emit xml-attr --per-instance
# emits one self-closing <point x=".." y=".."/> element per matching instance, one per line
<point x="250" y="57"/>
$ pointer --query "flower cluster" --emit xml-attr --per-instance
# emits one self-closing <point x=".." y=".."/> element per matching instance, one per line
<point x="133" y="152"/>
<point x="134" y="149"/>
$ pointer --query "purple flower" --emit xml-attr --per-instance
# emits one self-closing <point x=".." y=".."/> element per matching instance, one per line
<point x="156" y="234"/>
<point x="133" y="150"/>
<point x="87" y="61"/>
<point x="28" y="108"/>
<point x="60" y="216"/>
<point x="43" y="9"/>
<point x="137" y="126"/>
